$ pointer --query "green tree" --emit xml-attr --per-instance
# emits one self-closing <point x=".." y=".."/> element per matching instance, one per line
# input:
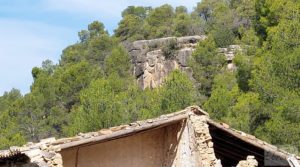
<point x="223" y="96"/>
<point x="95" y="45"/>
<point x="247" y="113"/>
<point x="160" y="21"/>
<point x="96" y="29"/>
<point x="148" y="103"/>
<point x="223" y="36"/>
<point x="181" y="10"/>
<point x="182" y="23"/>
<point x="31" y="117"/>
<point x="139" y="11"/>
<point x="72" y="54"/>
<point x="177" y="92"/>
<point x="118" y="63"/>
<point x="130" y="28"/>
<point x="97" y="49"/>
<point x="84" y="35"/>
<point x="206" y="63"/>
<point x="243" y="74"/>
<point x="9" y="132"/>
<point x="102" y="106"/>
<point x="72" y="79"/>
<point x="284" y="36"/>
<point x="8" y="98"/>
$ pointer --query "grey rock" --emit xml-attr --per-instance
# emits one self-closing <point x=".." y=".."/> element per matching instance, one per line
<point x="139" y="70"/>
<point x="152" y="57"/>
<point x="191" y="39"/>
<point x="150" y="65"/>
<point x="183" y="56"/>
<point x="139" y="45"/>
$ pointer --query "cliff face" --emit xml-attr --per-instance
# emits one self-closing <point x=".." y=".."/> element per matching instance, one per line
<point x="154" y="59"/>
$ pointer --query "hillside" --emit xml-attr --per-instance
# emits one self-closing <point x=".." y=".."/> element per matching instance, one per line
<point x="160" y="60"/>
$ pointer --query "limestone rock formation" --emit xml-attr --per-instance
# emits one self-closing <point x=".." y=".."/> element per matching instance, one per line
<point x="152" y="65"/>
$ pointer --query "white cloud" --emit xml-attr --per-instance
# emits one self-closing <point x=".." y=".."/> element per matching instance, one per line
<point x="25" y="45"/>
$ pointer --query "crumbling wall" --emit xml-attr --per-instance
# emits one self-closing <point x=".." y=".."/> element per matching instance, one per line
<point x="249" y="162"/>
<point x="195" y="147"/>
<point x="42" y="154"/>
<point x="204" y="142"/>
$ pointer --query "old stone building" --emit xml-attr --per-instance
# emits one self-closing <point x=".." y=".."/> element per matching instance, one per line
<point x="188" y="138"/>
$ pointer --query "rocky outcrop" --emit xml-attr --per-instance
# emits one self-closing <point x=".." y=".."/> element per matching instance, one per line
<point x="229" y="54"/>
<point x="152" y="65"/>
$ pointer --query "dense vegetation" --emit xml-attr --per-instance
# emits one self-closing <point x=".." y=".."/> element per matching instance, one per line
<point x="92" y="87"/>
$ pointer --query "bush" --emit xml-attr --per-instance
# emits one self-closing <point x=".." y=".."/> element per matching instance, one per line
<point x="170" y="49"/>
<point x="223" y="37"/>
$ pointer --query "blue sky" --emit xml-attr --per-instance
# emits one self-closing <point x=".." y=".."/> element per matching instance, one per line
<point x="35" y="30"/>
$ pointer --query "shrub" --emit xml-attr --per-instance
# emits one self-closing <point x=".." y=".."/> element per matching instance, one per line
<point x="170" y="49"/>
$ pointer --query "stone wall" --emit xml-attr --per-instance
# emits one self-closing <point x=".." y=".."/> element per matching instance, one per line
<point x="204" y="142"/>
<point x="41" y="154"/>
<point x="249" y="162"/>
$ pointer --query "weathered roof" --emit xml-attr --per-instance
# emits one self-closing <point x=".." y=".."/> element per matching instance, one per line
<point x="82" y="139"/>
<point x="250" y="139"/>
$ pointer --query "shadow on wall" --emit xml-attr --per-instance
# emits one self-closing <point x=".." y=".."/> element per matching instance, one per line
<point x="230" y="150"/>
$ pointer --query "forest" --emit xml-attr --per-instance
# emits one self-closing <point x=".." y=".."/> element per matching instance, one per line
<point x="93" y="87"/>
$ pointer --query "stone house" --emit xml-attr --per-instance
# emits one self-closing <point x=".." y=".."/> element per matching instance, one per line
<point x="188" y="138"/>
